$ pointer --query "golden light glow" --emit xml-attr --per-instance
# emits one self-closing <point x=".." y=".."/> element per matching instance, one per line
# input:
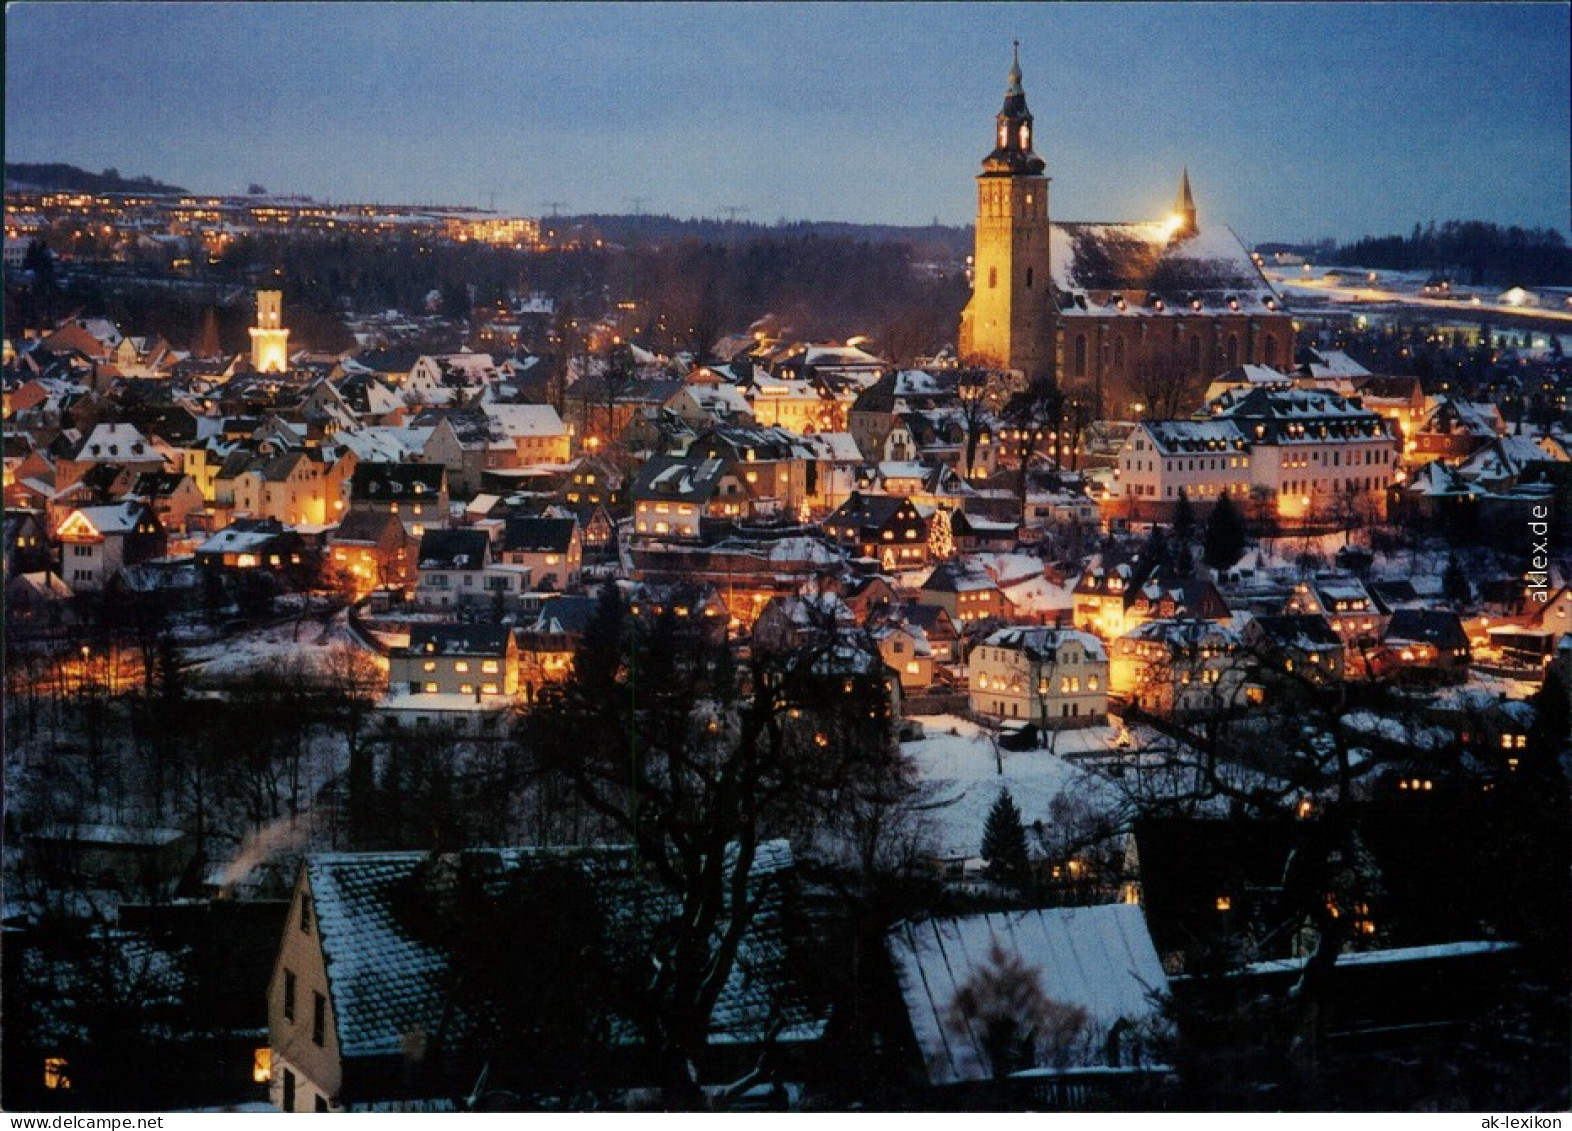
<point x="55" y="1077"/>
<point x="262" y="1065"/>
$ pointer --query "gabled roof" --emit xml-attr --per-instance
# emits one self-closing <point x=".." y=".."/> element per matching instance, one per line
<point x="457" y="640"/>
<point x="1097" y="959"/>
<point x="389" y="971"/>
<point x="1305" y="632"/>
<point x="366" y="526"/>
<point x="568" y="615"/>
<point x="1426" y="626"/>
<point x="1143" y="259"/>
<point x="119" y="518"/>
<point x="677" y="478"/>
<point x="396" y="482"/>
<point x="453" y="549"/>
<point x="1043" y="644"/>
<point x="538" y="535"/>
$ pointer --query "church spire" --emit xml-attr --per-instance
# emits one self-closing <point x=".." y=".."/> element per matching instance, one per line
<point x="1184" y="208"/>
<point x="1012" y="153"/>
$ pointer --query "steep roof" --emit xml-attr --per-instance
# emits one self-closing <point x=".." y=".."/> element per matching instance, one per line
<point x="453" y="549"/>
<point x="389" y="972"/>
<point x="538" y="535"/>
<point x="1098" y="959"/>
<point x="1145" y="260"/>
<point x="396" y="482"/>
<point x="458" y="639"/>
<point x="1039" y="643"/>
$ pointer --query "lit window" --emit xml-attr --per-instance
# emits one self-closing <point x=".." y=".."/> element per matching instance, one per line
<point x="261" y="1065"/>
<point x="489" y="667"/>
<point x="461" y="665"/>
<point x="429" y="666"/>
<point x="56" y="1076"/>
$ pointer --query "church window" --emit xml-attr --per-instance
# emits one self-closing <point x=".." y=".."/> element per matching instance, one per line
<point x="1270" y="349"/>
<point x="1004" y="135"/>
<point x="1195" y="351"/>
<point x="1028" y="270"/>
<point x="1118" y="355"/>
<point x="1233" y="350"/>
<point x="1080" y="356"/>
<point x="993" y="277"/>
<point x="1026" y="136"/>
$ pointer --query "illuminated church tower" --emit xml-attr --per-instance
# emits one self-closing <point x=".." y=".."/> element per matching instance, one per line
<point x="269" y="338"/>
<point x="1006" y="325"/>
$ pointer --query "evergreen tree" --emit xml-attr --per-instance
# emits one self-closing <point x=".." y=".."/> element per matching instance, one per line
<point x="1004" y="842"/>
<point x="1184" y="519"/>
<point x="1224" y="541"/>
<point x="1454" y="582"/>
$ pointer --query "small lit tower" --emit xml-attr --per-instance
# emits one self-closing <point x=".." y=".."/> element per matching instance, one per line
<point x="1006" y="325"/>
<point x="1184" y="210"/>
<point x="269" y="338"/>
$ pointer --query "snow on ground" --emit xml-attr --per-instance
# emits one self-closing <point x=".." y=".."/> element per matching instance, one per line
<point x="307" y="642"/>
<point x="962" y="769"/>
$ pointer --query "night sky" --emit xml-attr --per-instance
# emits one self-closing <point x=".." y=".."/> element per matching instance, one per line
<point x="1297" y="120"/>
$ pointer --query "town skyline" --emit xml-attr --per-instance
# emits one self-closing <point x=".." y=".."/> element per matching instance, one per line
<point x="410" y="103"/>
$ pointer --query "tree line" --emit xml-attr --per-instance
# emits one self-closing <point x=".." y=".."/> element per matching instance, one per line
<point x="1476" y="251"/>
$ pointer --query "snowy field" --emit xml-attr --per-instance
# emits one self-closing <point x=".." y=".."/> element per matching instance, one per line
<point x="307" y="643"/>
<point x="960" y="763"/>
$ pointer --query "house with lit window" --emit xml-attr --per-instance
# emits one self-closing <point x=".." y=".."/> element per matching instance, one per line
<point x="1112" y="597"/>
<point x="98" y="542"/>
<point x="458" y="677"/>
<point x="1353" y="612"/>
<point x="299" y="487"/>
<point x="174" y="497"/>
<point x="416" y="492"/>
<point x="1301" y="649"/>
<point x="529" y="434"/>
<point x="1423" y="646"/>
<point x="451" y="569"/>
<point x="904" y="649"/>
<point x="887" y="528"/>
<point x="259" y="545"/>
<point x="671" y="494"/>
<point x="1180" y="667"/>
<point x="1053" y="677"/>
<point x="118" y="444"/>
<point x="548" y="643"/>
<point x="370" y="548"/>
<point x="552" y="549"/>
<point x="1302" y="453"/>
<point x="968" y="594"/>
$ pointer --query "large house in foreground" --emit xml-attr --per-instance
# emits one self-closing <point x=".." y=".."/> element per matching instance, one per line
<point x="368" y="1008"/>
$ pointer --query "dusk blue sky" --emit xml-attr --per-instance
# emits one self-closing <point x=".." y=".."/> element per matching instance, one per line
<point x="1296" y="120"/>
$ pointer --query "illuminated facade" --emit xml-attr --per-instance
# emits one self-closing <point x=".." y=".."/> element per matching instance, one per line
<point x="1006" y="325"/>
<point x="1107" y="309"/>
<point x="269" y="338"/>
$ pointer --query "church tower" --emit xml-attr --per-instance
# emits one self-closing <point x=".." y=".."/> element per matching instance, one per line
<point x="269" y="338"/>
<point x="1184" y="210"/>
<point x="1006" y="325"/>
